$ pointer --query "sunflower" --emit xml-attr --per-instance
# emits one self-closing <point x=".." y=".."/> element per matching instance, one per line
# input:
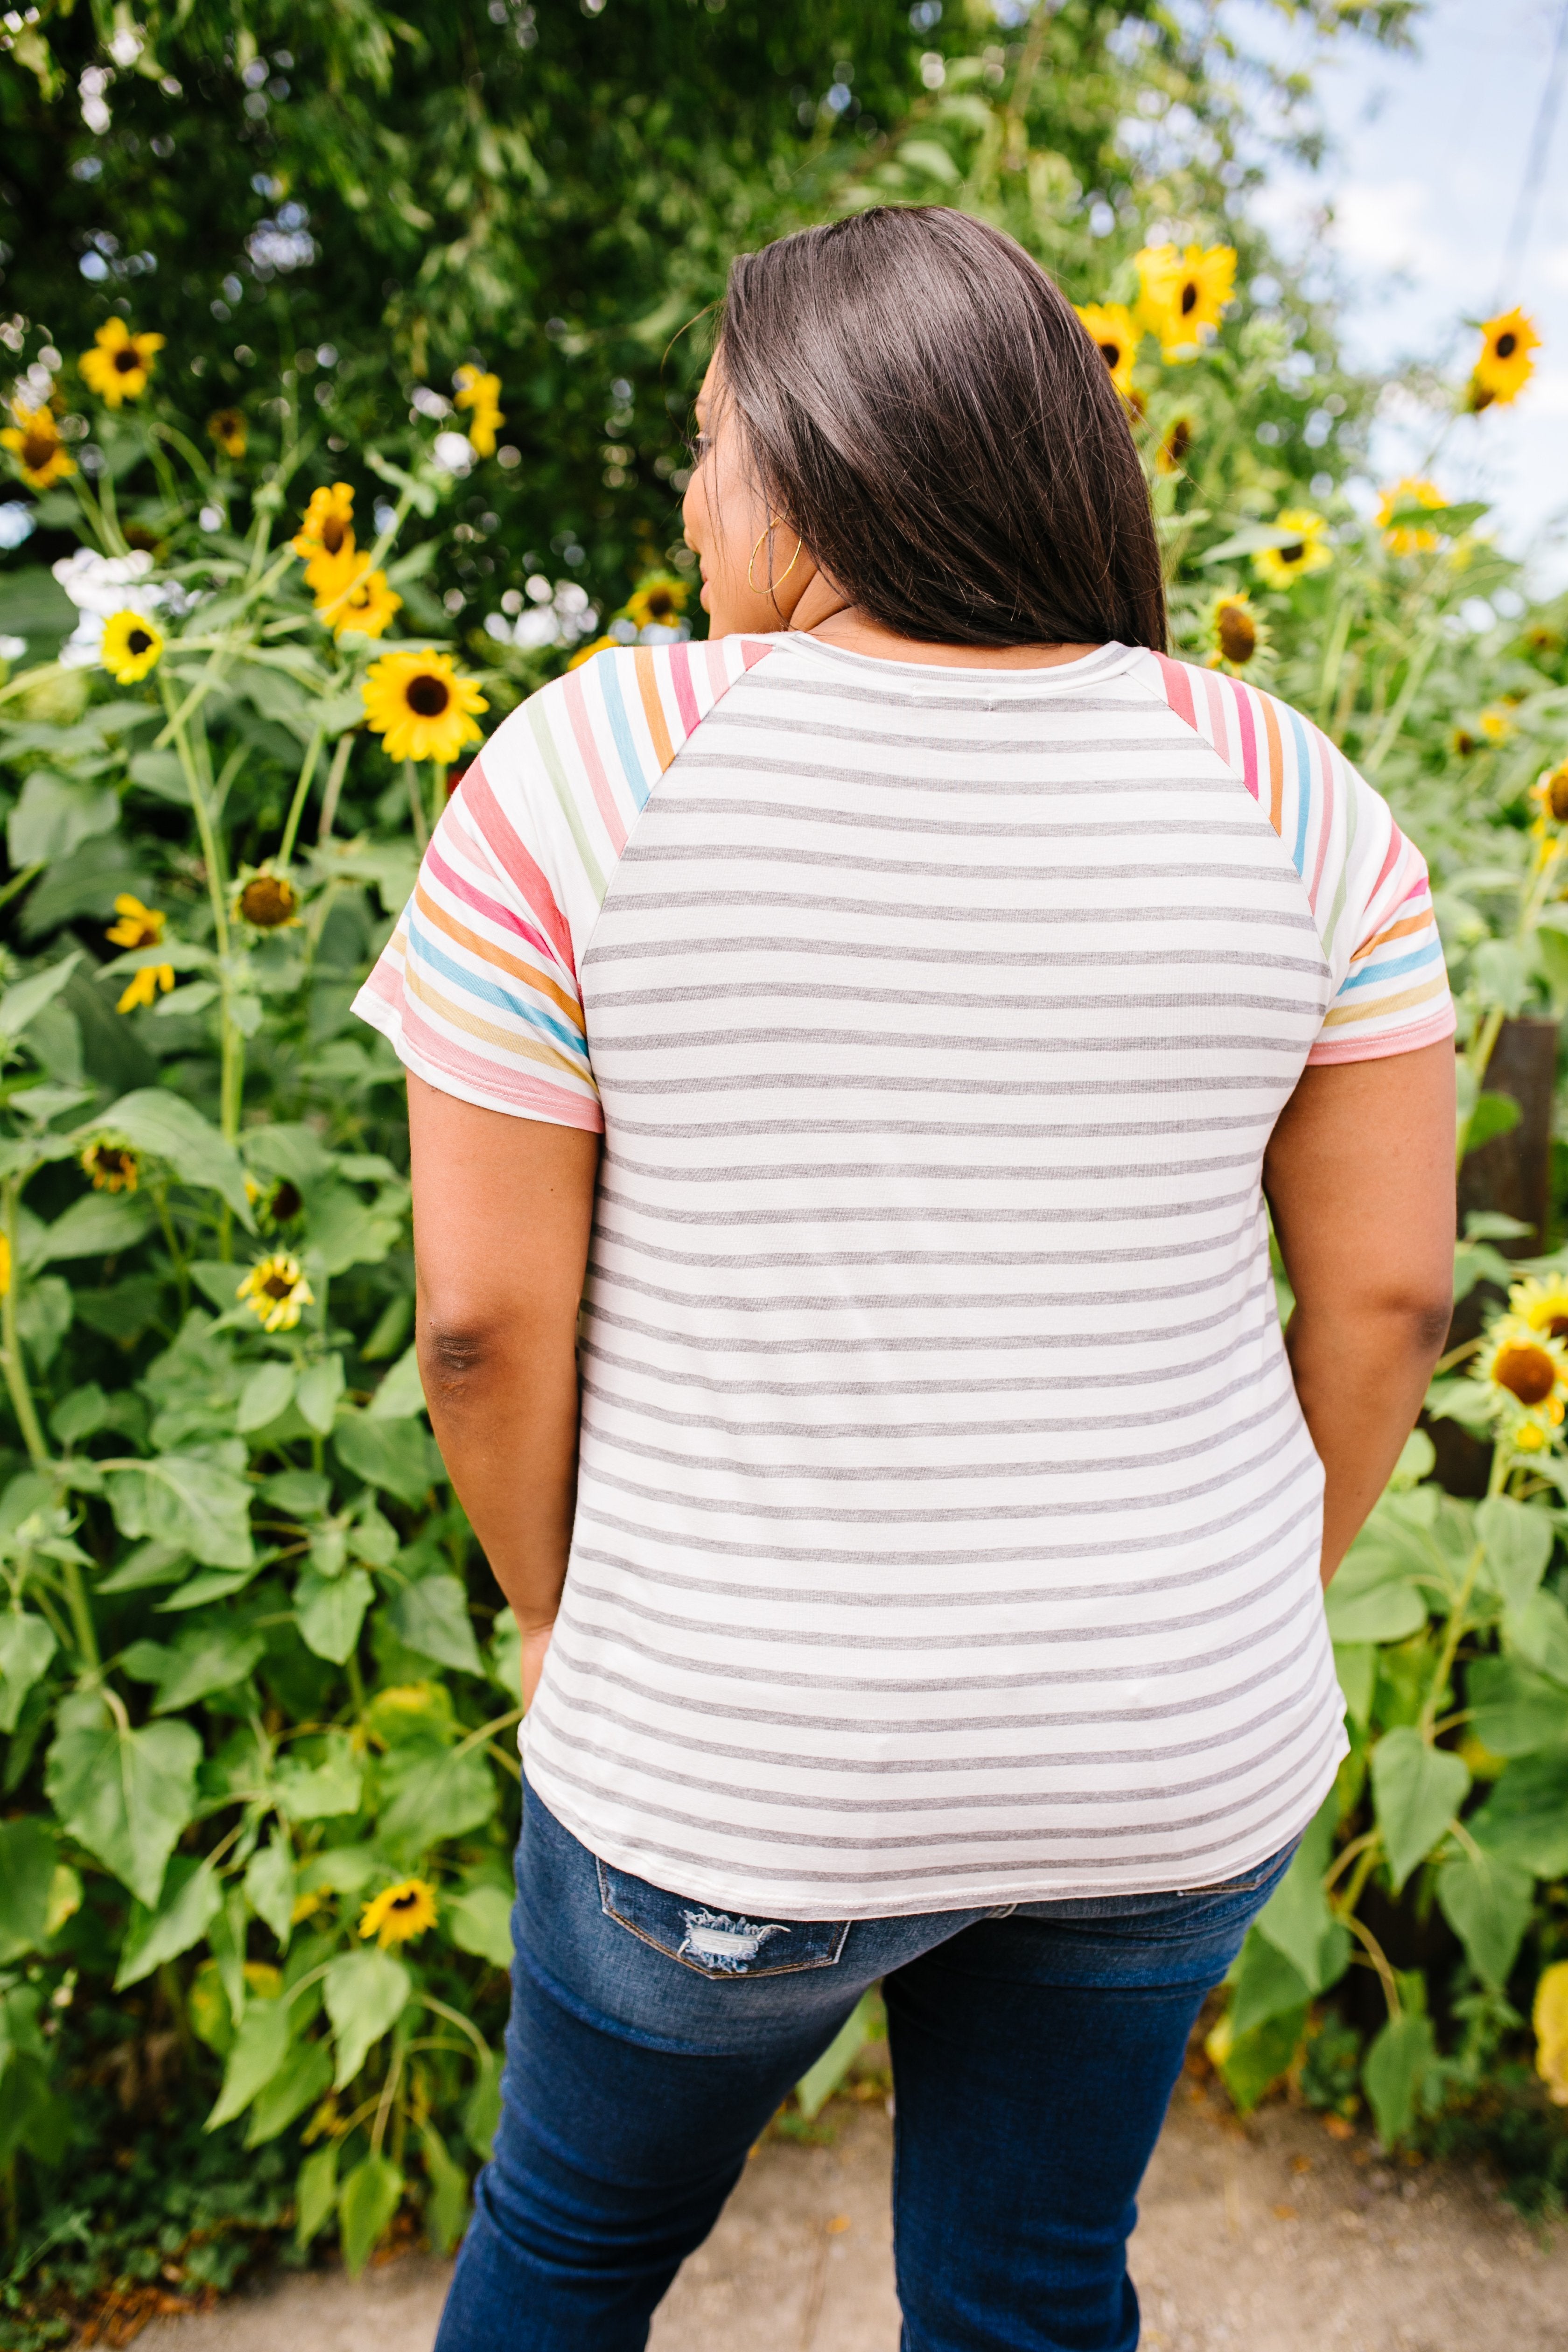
<point x="1504" y="366"/>
<point x="1549" y="2018"/>
<point x="1464" y="742"/>
<point x="277" y="1291"/>
<point x="480" y="394"/>
<point x="267" y="901"/>
<point x="35" y="442"/>
<point x="1524" y="1370"/>
<point x="119" y="365"/>
<point x="144" y="986"/>
<point x="5" y="1265"/>
<point x="227" y="427"/>
<point x="112" y="1168"/>
<point x="1238" y="632"/>
<point x="350" y="595"/>
<point x="328" y="525"/>
<point x="129" y="648"/>
<point x="1496" y="723"/>
<point x="139" y="926"/>
<point x="420" y="707"/>
<point x="659" y="600"/>
<point x="399" y="1913"/>
<point x="1542" y="1304"/>
<point x="1281" y="567"/>
<point x="283" y="1203"/>
<point x="1109" y="326"/>
<point x="1171" y="455"/>
<point x="1410" y="492"/>
<point x="586" y="653"/>
<point x="1182" y="295"/>
<point x="1551" y="794"/>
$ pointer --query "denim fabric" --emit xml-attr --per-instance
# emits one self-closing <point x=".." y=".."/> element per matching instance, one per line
<point x="652" y="2037"/>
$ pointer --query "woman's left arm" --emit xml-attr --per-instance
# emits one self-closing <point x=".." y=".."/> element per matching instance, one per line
<point x="503" y="1211"/>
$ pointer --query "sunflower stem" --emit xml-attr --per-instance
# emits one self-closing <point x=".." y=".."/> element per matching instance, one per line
<point x="416" y="806"/>
<point x="171" y="1243"/>
<point x="1502" y="1463"/>
<point x="296" y="806"/>
<point x="1415" y="670"/>
<point x="335" y="775"/>
<point x="21" y="1395"/>
<point x="438" y="791"/>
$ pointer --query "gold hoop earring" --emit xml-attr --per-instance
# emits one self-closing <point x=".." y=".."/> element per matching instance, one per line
<point x="774" y="585"/>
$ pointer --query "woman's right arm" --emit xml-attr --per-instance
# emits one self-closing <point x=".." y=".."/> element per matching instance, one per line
<point x="1359" y="1174"/>
<point x="503" y="1211"/>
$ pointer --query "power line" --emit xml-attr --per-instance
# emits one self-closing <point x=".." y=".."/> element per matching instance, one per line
<point x="1524" y="219"/>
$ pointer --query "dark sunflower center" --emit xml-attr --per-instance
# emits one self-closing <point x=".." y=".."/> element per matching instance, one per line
<point x="1507" y="345"/>
<point x="332" y="531"/>
<point x="114" y="1162"/>
<point x="37" y="449"/>
<point x="1528" y="1373"/>
<point x="138" y="641"/>
<point x="1181" y="440"/>
<point x="403" y="1903"/>
<point x="427" y="696"/>
<point x="266" y="901"/>
<point x="286" y="1203"/>
<point x="1112" y="355"/>
<point x="1189" y="297"/>
<point x="1464" y="742"/>
<point x="662" y="604"/>
<point x="1557" y="795"/>
<point x="277" y="1285"/>
<point x="1237" y="636"/>
<point x="126" y="360"/>
<point x="1558" y="1327"/>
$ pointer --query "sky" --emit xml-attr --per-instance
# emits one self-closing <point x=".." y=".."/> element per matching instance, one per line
<point x="1429" y="151"/>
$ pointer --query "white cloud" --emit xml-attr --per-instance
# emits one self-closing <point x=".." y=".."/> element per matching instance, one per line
<point x="1384" y="225"/>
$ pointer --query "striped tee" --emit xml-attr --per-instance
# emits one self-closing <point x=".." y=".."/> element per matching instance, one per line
<point x="947" y="1527"/>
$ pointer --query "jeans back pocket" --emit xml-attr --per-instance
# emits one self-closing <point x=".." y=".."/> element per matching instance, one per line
<point x="717" y="1943"/>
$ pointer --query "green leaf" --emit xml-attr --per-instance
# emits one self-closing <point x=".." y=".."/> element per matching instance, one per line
<point x="267" y="1395"/>
<point x="1249" y="2063"/>
<point x="428" y="1797"/>
<point x="124" y="1795"/>
<point x="1263" y="1984"/>
<point x="1297" y="1919"/>
<point x="178" y="1499"/>
<point x="481" y="2109"/>
<point x="157" y="1120"/>
<point x="1251" y="540"/>
<point x="432" y="1617"/>
<point x="1488" y="1904"/>
<point x="26" y="1645"/>
<point x="210" y="1657"/>
<point x="315" y="1793"/>
<point x="1515" y="1712"/>
<point x="54" y="815"/>
<point x="318" y="1393"/>
<point x="1493" y="1115"/>
<point x="1355" y="1668"/>
<point x="98" y="1225"/>
<point x="315" y="2194"/>
<point x="446" y="2209"/>
<point x="299" y="2082"/>
<point x="478" y="1920"/>
<point x="401" y="1394"/>
<point x="1518" y="1546"/>
<point x="1417" y="1792"/>
<point x="27" y="1874"/>
<point x="1525" y="1818"/>
<point x="397" y="1456"/>
<point x="1395" y="2069"/>
<point x="193" y="1897"/>
<point x="1538" y="1634"/>
<point x="330" y="1611"/>
<point x="1447" y="520"/>
<point x="260" y="2047"/>
<point x="365" y="1993"/>
<point x="371" y="2196"/>
<point x="269" y="1887"/>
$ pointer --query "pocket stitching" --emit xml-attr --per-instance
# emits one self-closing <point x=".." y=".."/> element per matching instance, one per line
<point x="714" y="1976"/>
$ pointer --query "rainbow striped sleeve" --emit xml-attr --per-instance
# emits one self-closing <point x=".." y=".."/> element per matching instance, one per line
<point x="1367" y="885"/>
<point x="478" y="988"/>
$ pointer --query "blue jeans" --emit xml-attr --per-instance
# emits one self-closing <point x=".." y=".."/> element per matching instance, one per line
<point x="651" y="2039"/>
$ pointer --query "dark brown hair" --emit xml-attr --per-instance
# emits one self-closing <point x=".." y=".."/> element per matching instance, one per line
<point x="924" y="407"/>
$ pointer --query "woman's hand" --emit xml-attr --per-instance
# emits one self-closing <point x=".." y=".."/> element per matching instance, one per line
<point x="503" y="1211"/>
<point x="1359" y="1173"/>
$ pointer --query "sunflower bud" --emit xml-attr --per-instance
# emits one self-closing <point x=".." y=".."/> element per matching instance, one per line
<point x="268" y="902"/>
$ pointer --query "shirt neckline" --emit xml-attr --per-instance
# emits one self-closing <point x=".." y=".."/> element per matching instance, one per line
<point x="1106" y="661"/>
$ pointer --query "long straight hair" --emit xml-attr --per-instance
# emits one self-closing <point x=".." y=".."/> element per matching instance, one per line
<point x="923" y="407"/>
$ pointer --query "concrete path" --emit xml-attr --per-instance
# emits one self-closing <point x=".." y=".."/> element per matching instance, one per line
<point x="1270" y="2237"/>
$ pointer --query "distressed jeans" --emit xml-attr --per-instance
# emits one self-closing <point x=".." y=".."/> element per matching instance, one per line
<point x="651" y="2038"/>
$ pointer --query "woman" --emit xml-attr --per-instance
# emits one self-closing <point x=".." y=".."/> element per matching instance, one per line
<point x="889" y="1020"/>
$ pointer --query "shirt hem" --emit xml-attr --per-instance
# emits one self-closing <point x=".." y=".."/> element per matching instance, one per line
<point x="1430" y="1032"/>
<point x="385" y="1018"/>
<point x="733" y="1891"/>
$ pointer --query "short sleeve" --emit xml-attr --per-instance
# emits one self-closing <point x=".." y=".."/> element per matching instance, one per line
<point x="1380" y="934"/>
<point x="477" y="990"/>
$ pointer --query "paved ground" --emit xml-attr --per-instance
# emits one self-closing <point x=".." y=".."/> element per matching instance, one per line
<point x="1267" y="2238"/>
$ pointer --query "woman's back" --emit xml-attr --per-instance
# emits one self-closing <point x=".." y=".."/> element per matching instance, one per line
<point x="947" y="1528"/>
